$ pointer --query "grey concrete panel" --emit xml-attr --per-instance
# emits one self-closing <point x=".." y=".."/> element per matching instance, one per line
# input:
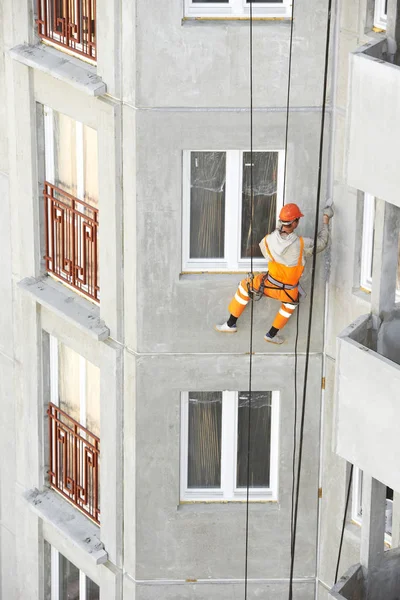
<point x="185" y="541"/>
<point x="207" y="63"/>
<point x="191" y="306"/>
<point x="8" y="582"/>
<point x="6" y="312"/>
<point x="71" y="523"/>
<point x="55" y="296"/>
<point x="61" y="66"/>
<point x="368" y="169"/>
<point x="267" y="591"/>
<point x="363" y="376"/>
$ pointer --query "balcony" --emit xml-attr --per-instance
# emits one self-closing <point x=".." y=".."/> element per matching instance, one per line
<point x="70" y="24"/>
<point x="374" y="122"/>
<point x="74" y="467"/>
<point x="71" y="228"/>
<point x="368" y="401"/>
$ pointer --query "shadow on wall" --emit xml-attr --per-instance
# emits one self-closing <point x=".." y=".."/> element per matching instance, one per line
<point x="388" y="343"/>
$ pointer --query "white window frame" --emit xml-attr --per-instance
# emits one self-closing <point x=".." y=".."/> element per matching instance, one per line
<point x="367" y="245"/>
<point x="356" y="504"/>
<point x="233" y="214"/>
<point x="238" y="9"/>
<point x="55" y="577"/>
<point x="380" y="16"/>
<point x="228" y="490"/>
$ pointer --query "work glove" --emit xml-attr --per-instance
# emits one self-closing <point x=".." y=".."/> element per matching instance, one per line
<point x="328" y="210"/>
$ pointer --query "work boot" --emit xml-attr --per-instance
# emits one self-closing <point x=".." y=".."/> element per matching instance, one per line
<point x="224" y="328"/>
<point x="277" y="339"/>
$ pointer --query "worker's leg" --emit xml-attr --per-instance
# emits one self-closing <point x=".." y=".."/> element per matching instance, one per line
<point x="282" y="316"/>
<point x="238" y="304"/>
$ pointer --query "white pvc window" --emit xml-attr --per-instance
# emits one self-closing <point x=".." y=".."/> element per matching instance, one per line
<point x="68" y="582"/>
<point x="214" y="445"/>
<point x="217" y="205"/>
<point x="237" y="8"/>
<point x="367" y="247"/>
<point x="380" y="14"/>
<point x="356" y="509"/>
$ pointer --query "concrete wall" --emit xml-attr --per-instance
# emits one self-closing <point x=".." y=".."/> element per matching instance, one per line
<point x="373" y="117"/>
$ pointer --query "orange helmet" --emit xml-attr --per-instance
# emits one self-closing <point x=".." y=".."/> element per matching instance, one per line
<point x="289" y="213"/>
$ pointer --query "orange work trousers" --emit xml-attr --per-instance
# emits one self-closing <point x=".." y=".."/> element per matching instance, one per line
<point x="288" y="299"/>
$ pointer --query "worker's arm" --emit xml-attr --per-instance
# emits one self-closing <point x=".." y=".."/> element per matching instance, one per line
<point x="322" y="237"/>
<point x="263" y="249"/>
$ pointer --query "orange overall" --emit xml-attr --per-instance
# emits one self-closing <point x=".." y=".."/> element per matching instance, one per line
<point x="281" y="273"/>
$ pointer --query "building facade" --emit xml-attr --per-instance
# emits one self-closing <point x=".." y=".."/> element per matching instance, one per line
<point x="125" y="227"/>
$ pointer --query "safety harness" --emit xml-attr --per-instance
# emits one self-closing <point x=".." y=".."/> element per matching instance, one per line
<point x="276" y="284"/>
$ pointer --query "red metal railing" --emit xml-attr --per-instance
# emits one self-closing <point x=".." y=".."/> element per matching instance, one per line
<point x="74" y="462"/>
<point x="69" y="23"/>
<point x="71" y="227"/>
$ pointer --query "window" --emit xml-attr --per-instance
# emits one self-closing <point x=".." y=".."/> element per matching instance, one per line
<point x="367" y="246"/>
<point x="67" y="582"/>
<point x="217" y="207"/>
<point x="73" y="429"/>
<point x="237" y="8"/>
<point x="71" y="202"/>
<point x="70" y="24"/>
<point x="380" y="14"/>
<point x="356" y="509"/>
<point x="214" y="442"/>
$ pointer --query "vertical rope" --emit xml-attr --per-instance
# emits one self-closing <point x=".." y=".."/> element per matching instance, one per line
<point x="321" y="149"/>
<point x="344" y="522"/>
<point x="288" y="100"/>
<point x="251" y="307"/>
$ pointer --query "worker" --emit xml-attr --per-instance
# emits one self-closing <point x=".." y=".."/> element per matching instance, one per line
<point x="285" y="253"/>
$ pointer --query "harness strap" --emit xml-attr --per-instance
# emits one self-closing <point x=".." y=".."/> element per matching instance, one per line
<point x="283" y="286"/>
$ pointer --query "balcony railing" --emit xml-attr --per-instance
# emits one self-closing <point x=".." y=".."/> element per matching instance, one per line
<point x="71" y="240"/>
<point x="69" y="23"/>
<point x="74" y="462"/>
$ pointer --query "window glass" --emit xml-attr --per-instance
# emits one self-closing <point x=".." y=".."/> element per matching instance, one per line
<point x="207" y="204"/>
<point x="210" y="1"/>
<point x="90" y="166"/>
<point x="92" y="590"/>
<point x="260" y="438"/>
<point x="92" y="398"/>
<point x="65" y="157"/>
<point x="398" y="269"/>
<point x="69" y="381"/>
<point x="68" y="580"/>
<point x="204" y="447"/>
<point x="263" y="176"/>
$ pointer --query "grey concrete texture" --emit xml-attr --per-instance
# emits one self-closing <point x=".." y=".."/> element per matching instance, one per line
<point x="360" y="428"/>
<point x="190" y="305"/>
<point x="60" y="66"/>
<point x="176" y="541"/>
<point x="211" y="67"/>
<point x="334" y="482"/>
<point x="225" y="591"/>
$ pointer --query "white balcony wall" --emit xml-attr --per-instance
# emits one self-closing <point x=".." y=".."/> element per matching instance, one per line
<point x="374" y="123"/>
<point x="368" y="406"/>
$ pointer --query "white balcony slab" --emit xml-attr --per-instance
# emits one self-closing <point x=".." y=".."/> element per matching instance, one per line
<point x="62" y="66"/>
<point x="374" y="123"/>
<point x="60" y="299"/>
<point x="69" y="522"/>
<point x="367" y="405"/>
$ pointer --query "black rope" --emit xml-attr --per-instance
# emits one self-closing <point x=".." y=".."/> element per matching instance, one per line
<point x="321" y="149"/>
<point x="294" y="423"/>
<point x="251" y="308"/>
<point x="344" y="522"/>
<point x="288" y="100"/>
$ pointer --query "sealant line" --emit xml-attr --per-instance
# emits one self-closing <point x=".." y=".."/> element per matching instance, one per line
<point x="157" y="582"/>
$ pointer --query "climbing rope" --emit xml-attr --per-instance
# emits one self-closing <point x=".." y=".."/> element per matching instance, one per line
<point x="346" y="508"/>
<point x="251" y="307"/>
<point x="301" y="435"/>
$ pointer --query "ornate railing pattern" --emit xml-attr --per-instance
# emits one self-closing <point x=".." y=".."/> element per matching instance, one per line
<point x="74" y="462"/>
<point x="71" y="228"/>
<point x="69" y="23"/>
